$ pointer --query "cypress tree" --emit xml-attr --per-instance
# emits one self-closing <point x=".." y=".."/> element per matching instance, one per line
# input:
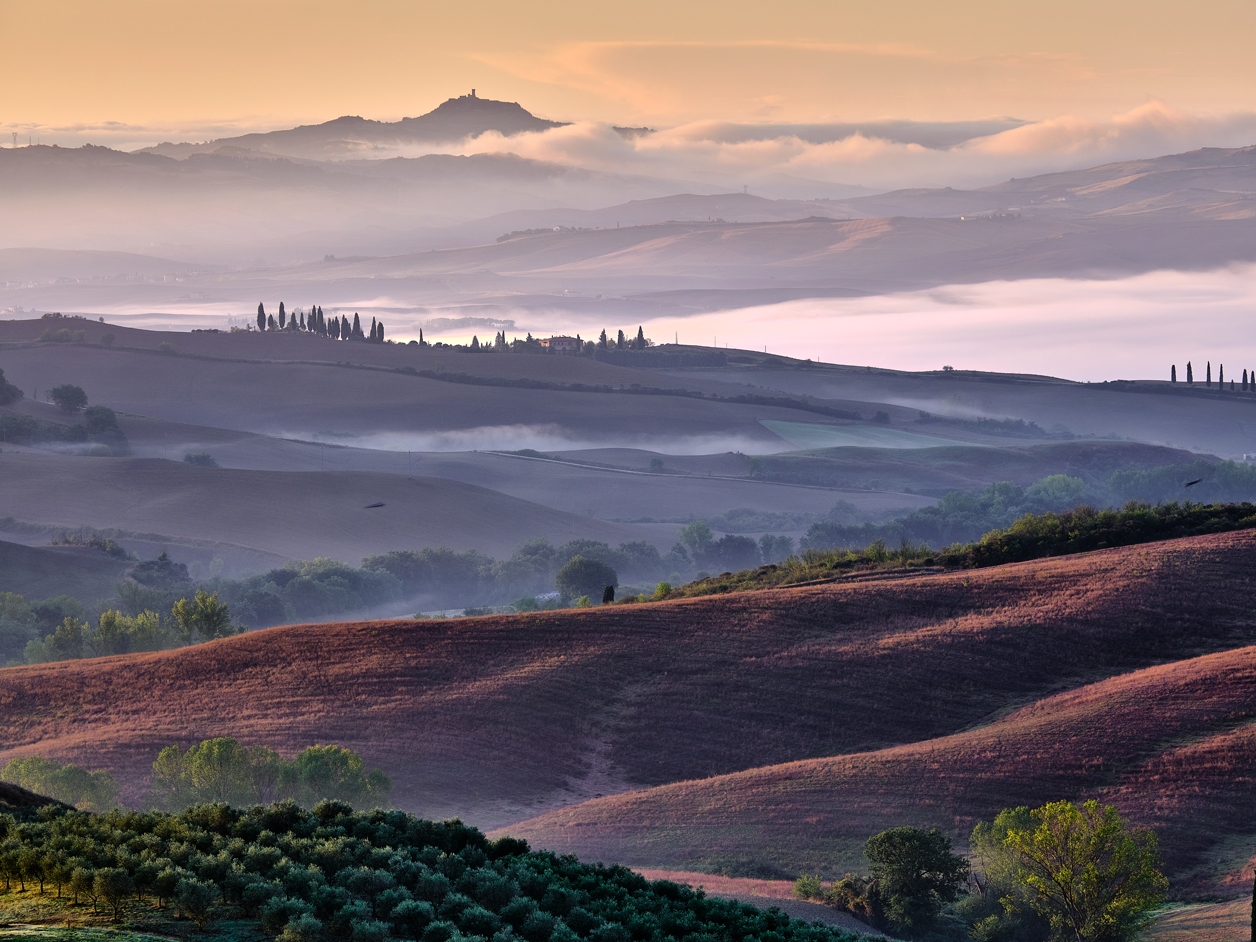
<point x="282" y="315"/>
<point x="261" y="316"/>
<point x="379" y="333"/>
<point x="619" y="343"/>
<point x="640" y="344"/>
<point x="1221" y="375"/>
<point x="372" y="330"/>
<point x="422" y="342"/>
<point x="270" y="323"/>
<point x="302" y="316"/>
<point x="1245" y="381"/>
<point x="475" y="342"/>
<point x="601" y="340"/>
<point x="1190" y="376"/>
<point x="357" y="327"/>
<point x="1173" y="373"/>
<point x="344" y="327"/>
<point x="1208" y="374"/>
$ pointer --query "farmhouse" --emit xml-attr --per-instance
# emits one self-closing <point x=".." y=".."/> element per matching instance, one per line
<point x="561" y="344"/>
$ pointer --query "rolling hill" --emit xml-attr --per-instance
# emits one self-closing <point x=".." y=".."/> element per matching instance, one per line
<point x="38" y="572"/>
<point x="499" y="718"/>
<point x="293" y="515"/>
<point x="1172" y="746"/>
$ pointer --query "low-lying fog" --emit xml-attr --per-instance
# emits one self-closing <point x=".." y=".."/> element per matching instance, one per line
<point x="1092" y="329"/>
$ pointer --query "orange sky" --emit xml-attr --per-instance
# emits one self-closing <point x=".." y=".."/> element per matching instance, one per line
<point x="194" y="63"/>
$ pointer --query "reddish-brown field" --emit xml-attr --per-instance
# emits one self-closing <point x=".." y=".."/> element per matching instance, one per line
<point x="1173" y="746"/>
<point x="499" y="718"/>
<point x="1209" y="922"/>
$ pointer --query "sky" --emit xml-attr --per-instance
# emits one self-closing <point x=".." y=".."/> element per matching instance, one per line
<point x="188" y="68"/>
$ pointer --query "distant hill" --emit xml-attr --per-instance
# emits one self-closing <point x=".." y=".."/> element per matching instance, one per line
<point x="38" y="572"/>
<point x="353" y="136"/>
<point x="1217" y="182"/>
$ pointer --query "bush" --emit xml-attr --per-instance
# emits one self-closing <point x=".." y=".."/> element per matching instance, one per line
<point x="68" y="398"/>
<point x="585" y="577"/>
<point x="201" y="459"/>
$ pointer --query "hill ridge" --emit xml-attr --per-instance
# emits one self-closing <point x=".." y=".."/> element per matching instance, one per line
<point x="492" y="718"/>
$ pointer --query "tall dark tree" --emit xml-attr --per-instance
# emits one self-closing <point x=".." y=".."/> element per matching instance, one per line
<point x="1221" y="375"/>
<point x="1245" y="381"/>
<point x="620" y="342"/>
<point x="372" y="330"/>
<point x="1173" y="373"/>
<point x="475" y="342"/>
<point x="301" y="314"/>
<point x="422" y="342"/>
<point x="1208" y="375"/>
<point x="357" y="327"/>
<point x="282" y="315"/>
<point x="270" y="323"/>
<point x="379" y="333"/>
<point x="344" y="328"/>
<point x="601" y="340"/>
<point x="261" y="316"/>
<point x="1190" y="375"/>
<point x="640" y="341"/>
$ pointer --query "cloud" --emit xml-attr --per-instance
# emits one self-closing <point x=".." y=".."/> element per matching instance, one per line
<point x="877" y="156"/>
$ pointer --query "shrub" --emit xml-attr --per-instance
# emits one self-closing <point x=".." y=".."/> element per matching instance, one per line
<point x="585" y="577"/>
<point x="201" y="459"/>
<point x="68" y="398"/>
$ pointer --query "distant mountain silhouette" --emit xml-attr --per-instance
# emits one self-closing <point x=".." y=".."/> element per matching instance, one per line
<point x="354" y="136"/>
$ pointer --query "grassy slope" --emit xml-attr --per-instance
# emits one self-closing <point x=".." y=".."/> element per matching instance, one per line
<point x="965" y="467"/>
<point x="296" y="515"/>
<point x="498" y="718"/>
<point x="1197" y="418"/>
<point x="295" y="383"/>
<point x="1210" y="922"/>
<point x="38" y="572"/>
<point x="1171" y="745"/>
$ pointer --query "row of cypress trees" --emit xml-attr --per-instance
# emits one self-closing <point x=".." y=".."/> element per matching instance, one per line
<point x="1248" y="381"/>
<point x="337" y="328"/>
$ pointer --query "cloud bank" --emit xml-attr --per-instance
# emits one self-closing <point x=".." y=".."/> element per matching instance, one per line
<point x="773" y="159"/>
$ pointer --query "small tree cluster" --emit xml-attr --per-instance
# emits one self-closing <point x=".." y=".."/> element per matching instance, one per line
<point x="72" y="784"/>
<point x="224" y="770"/>
<point x="1062" y="872"/>
<point x="315" y="322"/>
